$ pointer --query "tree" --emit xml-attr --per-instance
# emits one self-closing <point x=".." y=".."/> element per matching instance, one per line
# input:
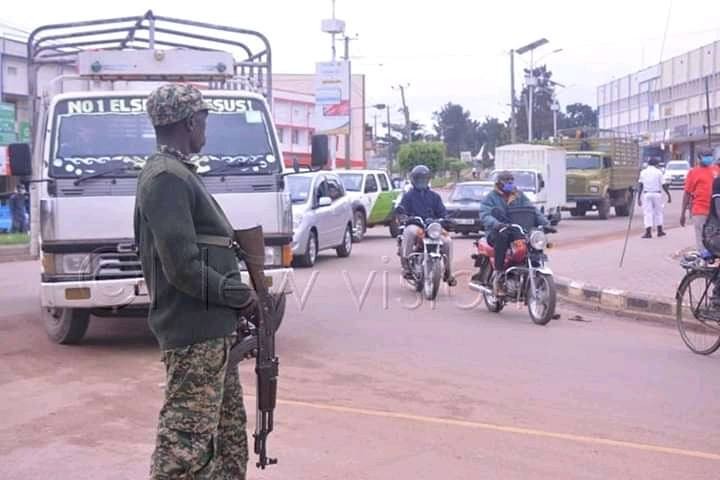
<point x="578" y="115"/>
<point x="430" y="154"/>
<point x="543" y="98"/>
<point x="492" y="133"/>
<point x="455" y="166"/>
<point x="454" y="125"/>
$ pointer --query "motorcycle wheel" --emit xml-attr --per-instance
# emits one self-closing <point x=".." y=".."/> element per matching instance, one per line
<point x="431" y="282"/>
<point x="542" y="302"/>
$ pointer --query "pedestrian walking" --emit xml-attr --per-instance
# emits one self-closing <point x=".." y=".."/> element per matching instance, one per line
<point x="698" y="192"/>
<point x="195" y="300"/>
<point x="18" y="211"/>
<point x="650" y="198"/>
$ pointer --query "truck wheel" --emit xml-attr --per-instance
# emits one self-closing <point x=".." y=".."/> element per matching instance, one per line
<point x="624" y="209"/>
<point x="604" y="208"/>
<point x="66" y="326"/>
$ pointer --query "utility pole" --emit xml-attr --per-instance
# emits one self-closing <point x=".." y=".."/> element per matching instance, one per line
<point x="406" y="113"/>
<point x="348" y="162"/>
<point x="531" y="88"/>
<point x="513" y="124"/>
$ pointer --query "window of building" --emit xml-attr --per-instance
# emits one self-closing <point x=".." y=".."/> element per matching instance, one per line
<point x="281" y="136"/>
<point x="295" y="136"/>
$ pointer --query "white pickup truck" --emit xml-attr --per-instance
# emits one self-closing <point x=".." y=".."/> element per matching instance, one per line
<point x="373" y="196"/>
<point x="91" y="136"/>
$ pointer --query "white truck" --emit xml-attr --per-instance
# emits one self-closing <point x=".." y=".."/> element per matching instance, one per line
<point x="91" y="136"/>
<point x="540" y="172"/>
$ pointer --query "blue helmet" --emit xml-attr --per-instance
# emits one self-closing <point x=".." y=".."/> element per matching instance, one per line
<point x="420" y="177"/>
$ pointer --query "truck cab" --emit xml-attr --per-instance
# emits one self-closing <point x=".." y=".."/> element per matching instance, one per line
<point x="92" y="136"/>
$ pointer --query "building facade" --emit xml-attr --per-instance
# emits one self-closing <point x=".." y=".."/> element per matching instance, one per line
<point x="666" y="105"/>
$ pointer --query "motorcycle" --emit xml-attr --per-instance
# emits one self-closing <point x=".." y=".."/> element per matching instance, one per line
<point x="427" y="264"/>
<point x="526" y="279"/>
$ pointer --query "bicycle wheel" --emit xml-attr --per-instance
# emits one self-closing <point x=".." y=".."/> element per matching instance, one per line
<point x="698" y="319"/>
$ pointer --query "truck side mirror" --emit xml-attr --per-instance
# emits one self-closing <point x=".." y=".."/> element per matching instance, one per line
<point x="320" y="153"/>
<point x="20" y="159"/>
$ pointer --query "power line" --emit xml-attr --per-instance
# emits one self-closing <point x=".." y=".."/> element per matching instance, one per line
<point x="667" y="27"/>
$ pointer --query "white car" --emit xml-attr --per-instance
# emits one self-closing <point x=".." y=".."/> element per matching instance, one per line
<point x="322" y="216"/>
<point x="373" y="198"/>
<point x="676" y="172"/>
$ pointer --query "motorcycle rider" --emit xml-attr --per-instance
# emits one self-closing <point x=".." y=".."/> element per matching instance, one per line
<point x="495" y="213"/>
<point x="422" y="202"/>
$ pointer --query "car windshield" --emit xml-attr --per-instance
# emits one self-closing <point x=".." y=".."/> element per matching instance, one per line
<point x="102" y="134"/>
<point x="470" y="193"/>
<point x="351" y="181"/>
<point x="299" y="188"/>
<point x="678" y="166"/>
<point x="583" y="162"/>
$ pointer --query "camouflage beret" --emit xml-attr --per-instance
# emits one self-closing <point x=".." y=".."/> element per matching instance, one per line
<point x="174" y="102"/>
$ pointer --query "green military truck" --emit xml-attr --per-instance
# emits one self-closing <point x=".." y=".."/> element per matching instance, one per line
<point x="601" y="170"/>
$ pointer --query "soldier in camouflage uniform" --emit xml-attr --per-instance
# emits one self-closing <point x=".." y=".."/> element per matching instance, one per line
<point x="196" y="299"/>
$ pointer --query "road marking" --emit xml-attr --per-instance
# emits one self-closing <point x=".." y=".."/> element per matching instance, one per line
<point x="504" y="428"/>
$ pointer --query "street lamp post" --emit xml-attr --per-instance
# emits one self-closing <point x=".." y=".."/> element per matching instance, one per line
<point x="555" y="107"/>
<point x="530" y="79"/>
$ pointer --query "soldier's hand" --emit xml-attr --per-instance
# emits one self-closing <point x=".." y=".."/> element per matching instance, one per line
<point x="683" y="220"/>
<point x="249" y="309"/>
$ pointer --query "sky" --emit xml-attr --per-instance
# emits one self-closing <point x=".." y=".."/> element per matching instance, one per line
<point x="444" y="51"/>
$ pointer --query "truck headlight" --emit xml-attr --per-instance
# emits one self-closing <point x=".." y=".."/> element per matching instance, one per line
<point x="538" y="240"/>
<point x="273" y="255"/>
<point x="434" y="231"/>
<point x="594" y="189"/>
<point x="69" y="264"/>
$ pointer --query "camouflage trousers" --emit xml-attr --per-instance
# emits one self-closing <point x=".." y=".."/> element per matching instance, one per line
<point x="201" y="431"/>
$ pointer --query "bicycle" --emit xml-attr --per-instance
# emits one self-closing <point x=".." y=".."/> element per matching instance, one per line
<point x="698" y="303"/>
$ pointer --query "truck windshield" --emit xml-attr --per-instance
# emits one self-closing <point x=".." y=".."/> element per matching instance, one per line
<point x="94" y="135"/>
<point x="583" y="162"/>
<point x="299" y="188"/>
<point x="351" y="181"/>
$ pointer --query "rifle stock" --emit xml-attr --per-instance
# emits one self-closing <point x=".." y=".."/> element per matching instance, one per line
<point x="251" y="248"/>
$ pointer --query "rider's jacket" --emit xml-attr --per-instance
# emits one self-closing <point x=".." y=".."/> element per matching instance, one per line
<point x="423" y="203"/>
<point x="495" y="201"/>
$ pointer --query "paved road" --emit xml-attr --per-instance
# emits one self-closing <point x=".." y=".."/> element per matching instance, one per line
<point x="382" y="392"/>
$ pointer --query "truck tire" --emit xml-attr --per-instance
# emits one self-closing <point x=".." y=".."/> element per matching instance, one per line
<point x="604" y="208"/>
<point x="65" y="326"/>
<point x="623" y="210"/>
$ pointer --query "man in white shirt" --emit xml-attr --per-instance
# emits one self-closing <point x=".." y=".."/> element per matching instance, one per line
<point x="650" y="198"/>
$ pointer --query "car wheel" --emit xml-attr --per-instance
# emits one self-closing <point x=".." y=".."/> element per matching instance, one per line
<point x="359" y="225"/>
<point x="309" y="258"/>
<point x="345" y="249"/>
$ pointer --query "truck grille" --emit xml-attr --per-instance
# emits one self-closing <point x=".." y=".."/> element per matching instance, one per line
<point x="117" y="265"/>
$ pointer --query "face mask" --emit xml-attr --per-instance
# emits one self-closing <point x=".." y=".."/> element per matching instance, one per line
<point x="508" y="187"/>
<point x="706" y="161"/>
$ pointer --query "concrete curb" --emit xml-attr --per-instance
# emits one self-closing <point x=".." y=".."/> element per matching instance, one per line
<point x="617" y="301"/>
<point x="13" y="253"/>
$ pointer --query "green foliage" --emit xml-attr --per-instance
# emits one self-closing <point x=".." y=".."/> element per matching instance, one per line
<point x="455" y="166"/>
<point x="430" y="154"/>
<point x="14" y="238"/>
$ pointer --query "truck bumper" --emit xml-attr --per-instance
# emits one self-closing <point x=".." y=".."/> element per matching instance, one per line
<point x="128" y="292"/>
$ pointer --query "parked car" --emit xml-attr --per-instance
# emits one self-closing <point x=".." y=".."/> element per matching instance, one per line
<point x="463" y="206"/>
<point x="322" y="216"/>
<point x="676" y="172"/>
<point x="373" y="198"/>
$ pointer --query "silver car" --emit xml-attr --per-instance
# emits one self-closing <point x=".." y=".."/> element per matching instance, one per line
<point x="322" y="216"/>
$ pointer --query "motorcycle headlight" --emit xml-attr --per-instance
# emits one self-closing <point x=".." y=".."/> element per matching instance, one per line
<point x="434" y="231"/>
<point x="538" y="240"/>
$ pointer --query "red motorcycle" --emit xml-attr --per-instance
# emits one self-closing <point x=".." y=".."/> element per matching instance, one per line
<point x="526" y="278"/>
